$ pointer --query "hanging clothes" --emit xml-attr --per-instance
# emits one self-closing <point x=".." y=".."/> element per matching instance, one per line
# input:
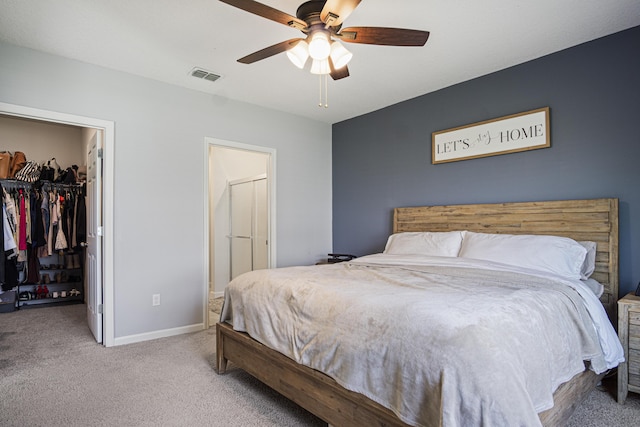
<point x="8" y="269"/>
<point x="10" y="207"/>
<point x="8" y="241"/>
<point x="27" y="203"/>
<point x="47" y="217"/>
<point x="3" y="230"/>
<point x="61" y="240"/>
<point x="74" y="233"/>
<point x="37" y="228"/>
<point x="67" y="217"/>
<point x="43" y="251"/>
<point x="81" y="217"/>
<point x="53" y="221"/>
<point x="33" y="266"/>
<point x="22" y="238"/>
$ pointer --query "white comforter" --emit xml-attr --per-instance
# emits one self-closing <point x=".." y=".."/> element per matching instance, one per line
<point x="448" y="341"/>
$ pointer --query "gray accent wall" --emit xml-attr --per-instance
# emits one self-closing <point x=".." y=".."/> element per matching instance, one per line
<point x="382" y="160"/>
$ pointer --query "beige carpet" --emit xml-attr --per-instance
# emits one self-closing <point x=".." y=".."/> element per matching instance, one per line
<point x="52" y="373"/>
<point x="215" y="308"/>
<point x="216" y="305"/>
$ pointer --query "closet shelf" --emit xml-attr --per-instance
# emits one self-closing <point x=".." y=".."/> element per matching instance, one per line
<point x="53" y="287"/>
<point x="23" y="286"/>
<point x="76" y="299"/>
<point x="47" y="185"/>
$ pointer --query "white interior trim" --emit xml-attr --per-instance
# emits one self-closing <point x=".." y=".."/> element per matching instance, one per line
<point x="108" y="129"/>
<point x="271" y="174"/>
<point x="164" y="333"/>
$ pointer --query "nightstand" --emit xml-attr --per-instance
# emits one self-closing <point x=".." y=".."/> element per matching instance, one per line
<point x="629" y="333"/>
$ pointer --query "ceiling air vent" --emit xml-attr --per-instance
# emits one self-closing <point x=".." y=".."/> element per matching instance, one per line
<point x="204" y="74"/>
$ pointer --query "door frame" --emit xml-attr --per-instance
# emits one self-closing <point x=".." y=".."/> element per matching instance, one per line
<point x="108" y="132"/>
<point x="210" y="142"/>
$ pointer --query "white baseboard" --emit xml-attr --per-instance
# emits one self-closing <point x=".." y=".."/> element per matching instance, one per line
<point x="218" y="294"/>
<point x="130" y="339"/>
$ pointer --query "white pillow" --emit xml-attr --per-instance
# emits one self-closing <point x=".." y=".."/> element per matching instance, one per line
<point x="589" y="264"/>
<point x="446" y="243"/>
<point x="595" y="286"/>
<point x="558" y="255"/>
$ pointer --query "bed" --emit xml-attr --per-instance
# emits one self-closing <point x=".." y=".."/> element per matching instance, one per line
<point x="333" y="401"/>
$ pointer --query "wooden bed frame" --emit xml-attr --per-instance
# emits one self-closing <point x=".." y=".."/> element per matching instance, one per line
<point x="594" y="220"/>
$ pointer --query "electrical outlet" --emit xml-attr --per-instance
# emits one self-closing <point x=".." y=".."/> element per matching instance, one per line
<point x="155" y="299"/>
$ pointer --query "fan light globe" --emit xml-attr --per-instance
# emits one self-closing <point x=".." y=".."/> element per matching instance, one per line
<point x="319" y="46"/>
<point x="299" y="54"/>
<point x="320" y="66"/>
<point x="340" y="55"/>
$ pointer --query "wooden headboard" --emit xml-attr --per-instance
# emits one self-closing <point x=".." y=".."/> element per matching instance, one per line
<point x="595" y="220"/>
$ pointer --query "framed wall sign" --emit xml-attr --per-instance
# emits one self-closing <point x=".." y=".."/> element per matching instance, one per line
<point x="508" y="134"/>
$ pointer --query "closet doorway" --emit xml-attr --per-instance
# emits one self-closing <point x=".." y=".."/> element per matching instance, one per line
<point x="98" y="134"/>
<point x="241" y="213"/>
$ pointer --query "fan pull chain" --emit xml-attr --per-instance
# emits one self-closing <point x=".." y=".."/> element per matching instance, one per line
<point x="326" y="91"/>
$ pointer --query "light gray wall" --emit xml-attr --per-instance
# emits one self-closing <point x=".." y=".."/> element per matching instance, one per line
<point x="160" y="198"/>
<point x="383" y="159"/>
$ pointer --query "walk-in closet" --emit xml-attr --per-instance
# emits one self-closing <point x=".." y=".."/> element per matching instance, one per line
<point x="44" y="216"/>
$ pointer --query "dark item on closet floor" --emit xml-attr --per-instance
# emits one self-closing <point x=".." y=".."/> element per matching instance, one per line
<point x="7" y="302"/>
<point x="10" y="274"/>
<point x="33" y="266"/>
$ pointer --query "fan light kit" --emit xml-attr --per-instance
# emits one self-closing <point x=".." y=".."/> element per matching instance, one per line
<point x="321" y="21"/>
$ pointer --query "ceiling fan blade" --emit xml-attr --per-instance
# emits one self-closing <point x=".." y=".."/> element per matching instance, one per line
<point x="335" y="12"/>
<point x="269" y="51"/>
<point x="340" y="73"/>
<point x="267" y="12"/>
<point x="384" y="36"/>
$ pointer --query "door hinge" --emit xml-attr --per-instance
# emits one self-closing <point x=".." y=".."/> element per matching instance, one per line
<point x="99" y="308"/>
<point x="100" y="153"/>
<point x="100" y="231"/>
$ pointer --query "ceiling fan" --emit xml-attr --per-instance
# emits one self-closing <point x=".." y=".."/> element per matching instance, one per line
<point x="321" y="21"/>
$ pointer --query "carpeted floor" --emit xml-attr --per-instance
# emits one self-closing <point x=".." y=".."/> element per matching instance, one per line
<point x="52" y="373"/>
<point x="215" y="308"/>
<point x="216" y="305"/>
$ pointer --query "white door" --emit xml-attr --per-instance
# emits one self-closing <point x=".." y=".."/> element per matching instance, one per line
<point x="241" y="235"/>
<point x="93" y="266"/>
<point x="249" y="220"/>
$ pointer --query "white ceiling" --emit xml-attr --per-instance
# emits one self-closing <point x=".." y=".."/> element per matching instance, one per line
<point x="165" y="39"/>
